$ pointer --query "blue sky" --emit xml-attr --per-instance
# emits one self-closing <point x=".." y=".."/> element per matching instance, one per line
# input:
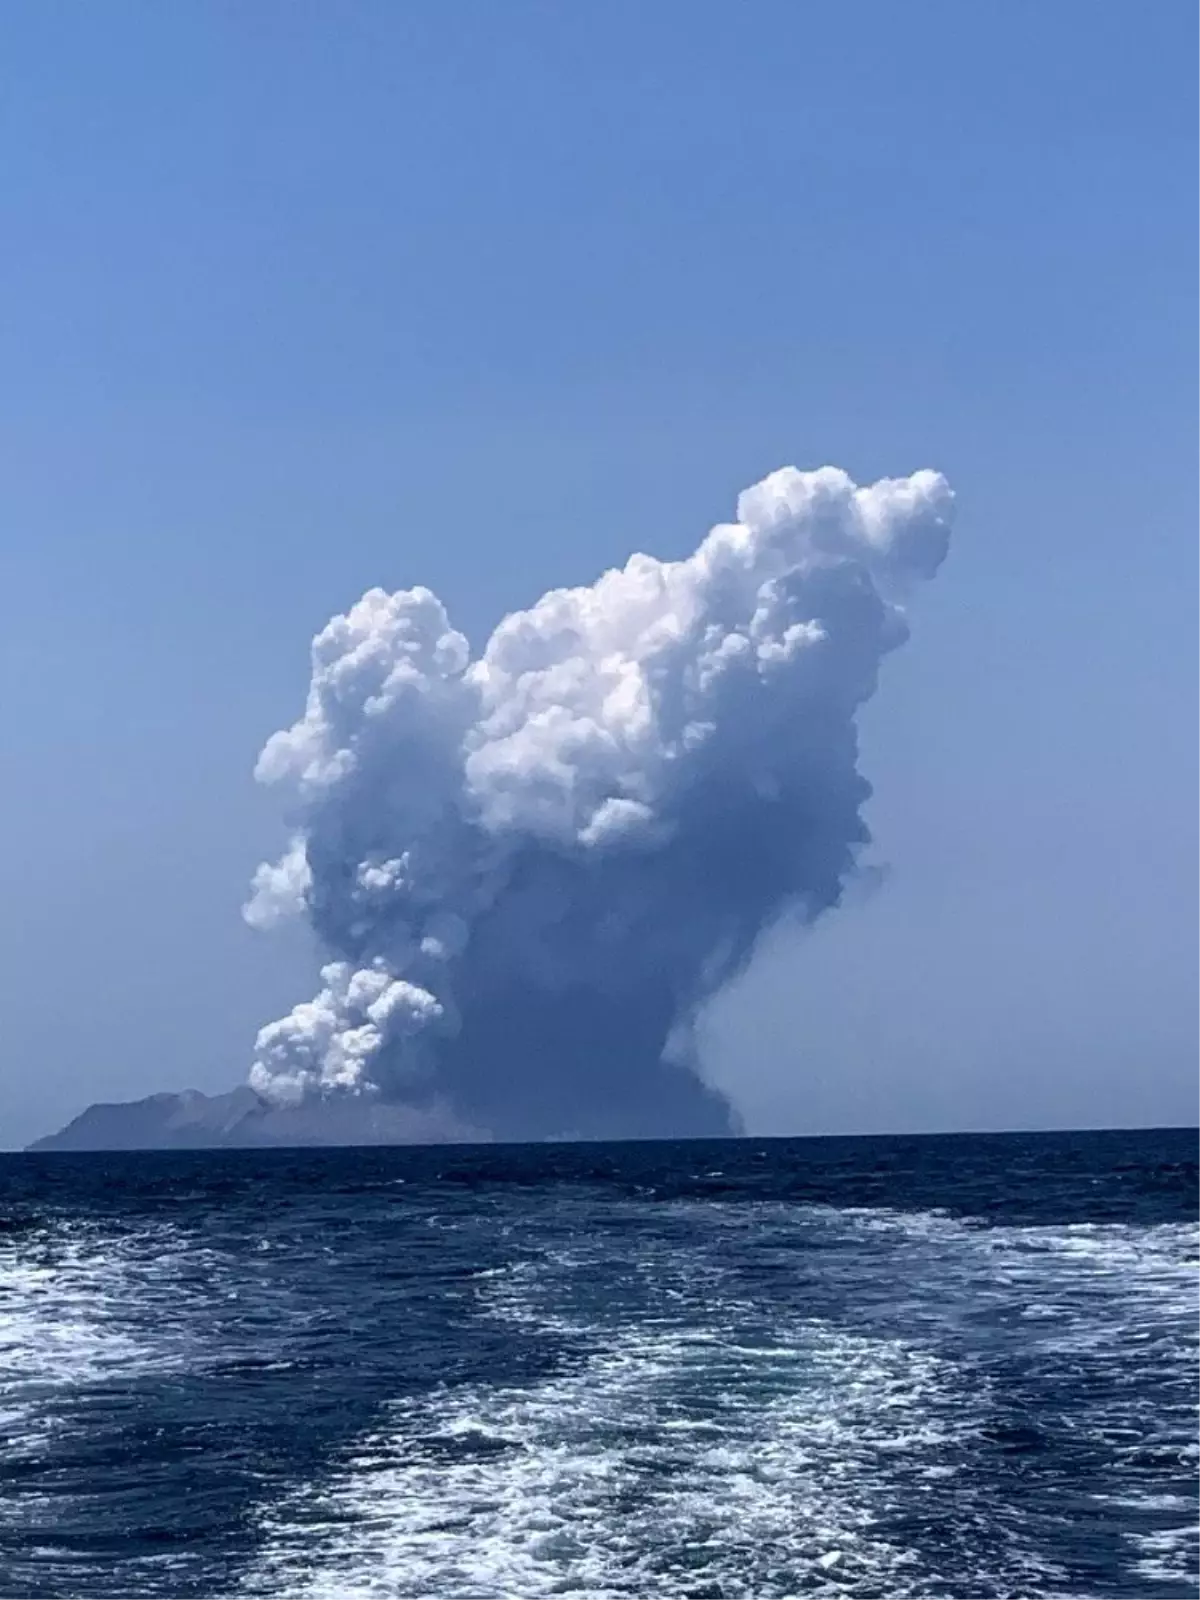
<point x="304" y="298"/>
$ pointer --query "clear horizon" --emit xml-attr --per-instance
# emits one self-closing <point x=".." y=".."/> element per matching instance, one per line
<point x="304" y="304"/>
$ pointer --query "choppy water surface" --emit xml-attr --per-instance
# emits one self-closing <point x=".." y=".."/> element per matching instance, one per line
<point x="934" y="1367"/>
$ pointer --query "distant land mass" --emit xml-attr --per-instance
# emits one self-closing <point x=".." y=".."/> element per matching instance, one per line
<point x="242" y="1119"/>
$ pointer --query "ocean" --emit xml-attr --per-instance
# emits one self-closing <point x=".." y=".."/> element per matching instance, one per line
<point x="952" y="1366"/>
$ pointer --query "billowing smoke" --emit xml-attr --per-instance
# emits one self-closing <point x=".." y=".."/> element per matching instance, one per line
<point x="532" y="868"/>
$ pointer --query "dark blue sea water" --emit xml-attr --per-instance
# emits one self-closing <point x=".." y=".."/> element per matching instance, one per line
<point x="952" y="1367"/>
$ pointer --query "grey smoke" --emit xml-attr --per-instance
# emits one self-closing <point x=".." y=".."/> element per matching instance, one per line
<point x="532" y="868"/>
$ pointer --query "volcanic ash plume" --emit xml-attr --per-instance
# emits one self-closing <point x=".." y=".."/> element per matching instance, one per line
<point x="530" y="869"/>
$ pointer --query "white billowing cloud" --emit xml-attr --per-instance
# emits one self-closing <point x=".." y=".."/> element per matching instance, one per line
<point x="278" y="888"/>
<point x="612" y="799"/>
<point x="329" y="1042"/>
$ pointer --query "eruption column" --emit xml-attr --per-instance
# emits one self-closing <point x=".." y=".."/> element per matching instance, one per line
<point x="532" y="868"/>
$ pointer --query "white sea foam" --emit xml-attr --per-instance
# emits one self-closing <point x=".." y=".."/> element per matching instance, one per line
<point x="84" y="1308"/>
<point x="1168" y="1555"/>
<point x="722" y="1399"/>
<point x="76" y="1310"/>
<point x="708" y="1448"/>
<point x="671" y="1463"/>
<point x="1124" y="1300"/>
<point x="98" y="1321"/>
